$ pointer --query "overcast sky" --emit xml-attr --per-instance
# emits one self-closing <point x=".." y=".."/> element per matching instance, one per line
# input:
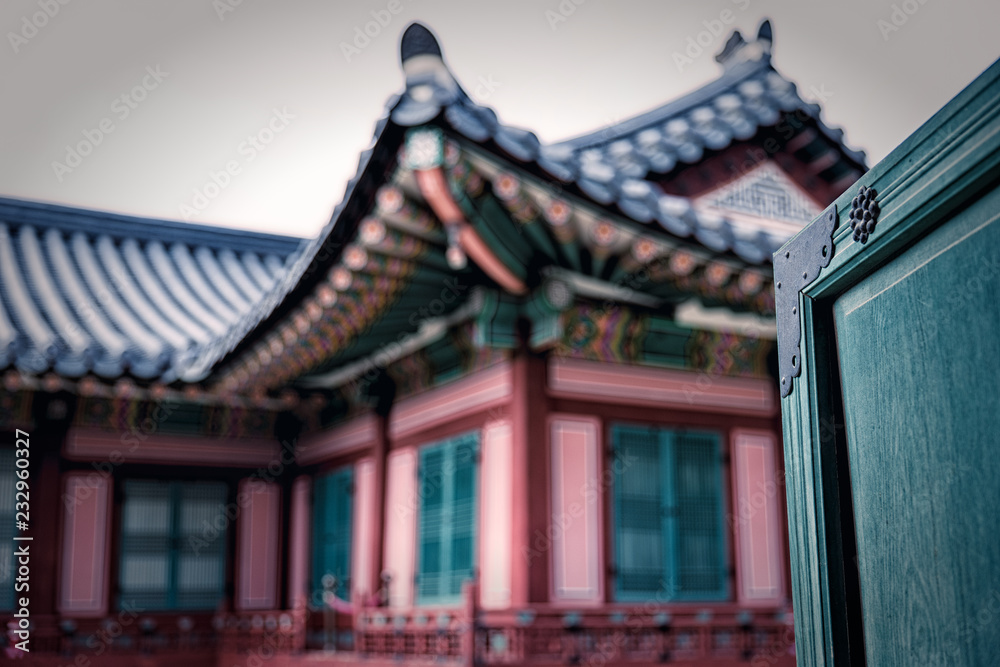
<point x="201" y="77"/>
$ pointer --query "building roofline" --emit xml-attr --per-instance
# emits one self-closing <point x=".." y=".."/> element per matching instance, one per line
<point x="18" y="212"/>
<point x="681" y="105"/>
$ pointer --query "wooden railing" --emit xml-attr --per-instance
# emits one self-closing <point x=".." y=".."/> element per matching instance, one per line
<point x="441" y="633"/>
<point x="264" y="632"/>
<point x="543" y="634"/>
<point x="623" y="635"/>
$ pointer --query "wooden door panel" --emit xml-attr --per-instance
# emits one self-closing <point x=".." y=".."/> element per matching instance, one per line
<point x="918" y="344"/>
<point x="890" y="350"/>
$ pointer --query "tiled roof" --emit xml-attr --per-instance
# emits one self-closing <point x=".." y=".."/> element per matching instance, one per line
<point x="611" y="166"/>
<point x="90" y="292"/>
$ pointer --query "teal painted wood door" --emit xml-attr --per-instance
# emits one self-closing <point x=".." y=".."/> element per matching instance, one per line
<point x="918" y="344"/>
<point x="891" y="428"/>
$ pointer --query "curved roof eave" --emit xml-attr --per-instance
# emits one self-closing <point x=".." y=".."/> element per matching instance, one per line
<point x="432" y="94"/>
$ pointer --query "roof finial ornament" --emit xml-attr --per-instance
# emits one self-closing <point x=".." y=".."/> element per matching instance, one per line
<point x="734" y="43"/>
<point x="764" y="33"/>
<point x="430" y="86"/>
<point x="417" y="40"/>
<point x="737" y="50"/>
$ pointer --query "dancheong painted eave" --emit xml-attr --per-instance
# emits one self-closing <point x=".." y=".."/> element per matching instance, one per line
<point x="87" y="292"/>
<point x="620" y="166"/>
<point x="198" y="300"/>
<point x="618" y="173"/>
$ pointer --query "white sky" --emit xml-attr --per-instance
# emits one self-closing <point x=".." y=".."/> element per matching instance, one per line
<point x="224" y="77"/>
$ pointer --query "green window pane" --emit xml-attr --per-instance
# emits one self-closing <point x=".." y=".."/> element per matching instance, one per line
<point x="639" y="511"/>
<point x="201" y="547"/>
<point x="333" y="507"/>
<point x="700" y="543"/>
<point x="463" y="516"/>
<point x="447" y="519"/>
<point x="146" y="546"/>
<point x="8" y="478"/>
<point x="173" y="546"/>
<point x="669" y="522"/>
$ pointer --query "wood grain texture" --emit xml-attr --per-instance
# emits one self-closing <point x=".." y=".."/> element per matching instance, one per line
<point x="918" y="343"/>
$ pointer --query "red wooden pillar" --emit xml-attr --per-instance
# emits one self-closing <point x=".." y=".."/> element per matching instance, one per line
<point x="45" y="506"/>
<point x="364" y="562"/>
<point x="380" y="453"/>
<point x="529" y="410"/>
<point x="52" y="414"/>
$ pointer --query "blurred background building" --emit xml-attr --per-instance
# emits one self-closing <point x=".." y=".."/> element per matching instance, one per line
<point x="513" y="405"/>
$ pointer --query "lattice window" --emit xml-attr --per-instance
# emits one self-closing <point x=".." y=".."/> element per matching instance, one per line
<point x="7" y="569"/>
<point x="447" y="524"/>
<point x="173" y="547"/>
<point x="333" y="506"/>
<point x="669" y="522"/>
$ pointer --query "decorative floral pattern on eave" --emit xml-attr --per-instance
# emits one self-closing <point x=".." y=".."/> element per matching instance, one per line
<point x="643" y="258"/>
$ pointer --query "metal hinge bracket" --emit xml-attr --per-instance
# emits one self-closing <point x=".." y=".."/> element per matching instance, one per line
<point x="796" y="265"/>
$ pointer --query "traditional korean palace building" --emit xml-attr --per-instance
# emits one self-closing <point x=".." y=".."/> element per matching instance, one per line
<point x="515" y="399"/>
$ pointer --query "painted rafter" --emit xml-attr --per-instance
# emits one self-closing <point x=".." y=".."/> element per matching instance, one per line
<point x="424" y="154"/>
<point x="397" y="251"/>
<point x="634" y="256"/>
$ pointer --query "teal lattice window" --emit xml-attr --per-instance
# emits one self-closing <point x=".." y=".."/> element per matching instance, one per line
<point x="333" y="513"/>
<point x="446" y="553"/>
<point x="173" y="545"/>
<point x="669" y="520"/>
<point x="7" y="569"/>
